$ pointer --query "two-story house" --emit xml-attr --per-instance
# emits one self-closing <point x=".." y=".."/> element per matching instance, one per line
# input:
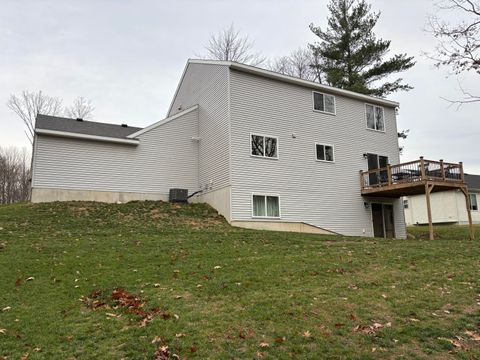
<point x="266" y="150"/>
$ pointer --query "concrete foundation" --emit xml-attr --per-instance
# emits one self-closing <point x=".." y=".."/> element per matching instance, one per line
<point x="218" y="199"/>
<point x="49" y="195"/>
<point x="281" y="226"/>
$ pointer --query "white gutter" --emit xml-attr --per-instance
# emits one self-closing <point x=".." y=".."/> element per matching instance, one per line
<point x="67" y="134"/>
<point x="163" y="121"/>
<point x="293" y="80"/>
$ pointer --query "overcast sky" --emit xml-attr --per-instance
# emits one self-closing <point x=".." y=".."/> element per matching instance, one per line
<point x="128" y="56"/>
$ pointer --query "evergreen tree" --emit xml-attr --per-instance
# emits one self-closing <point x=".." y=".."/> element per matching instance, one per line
<point x="351" y="57"/>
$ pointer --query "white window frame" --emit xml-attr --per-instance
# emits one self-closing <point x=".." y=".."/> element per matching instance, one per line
<point x="265" y="195"/>
<point x="384" y="120"/>
<point x="470" y="200"/>
<point x="323" y="144"/>
<point x="324" y="112"/>
<point x="263" y="156"/>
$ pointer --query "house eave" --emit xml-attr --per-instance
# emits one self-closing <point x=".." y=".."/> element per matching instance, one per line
<point x="297" y="81"/>
<point x="71" y="135"/>
<point x="163" y="121"/>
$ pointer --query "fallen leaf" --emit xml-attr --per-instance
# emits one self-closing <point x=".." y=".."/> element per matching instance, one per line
<point x="280" y="340"/>
<point x="339" y="325"/>
<point x="193" y="349"/>
<point x="353" y="317"/>
<point x="259" y="355"/>
<point x="6" y="308"/>
<point x="37" y="349"/>
<point x="414" y="320"/>
<point x="30" y="278"/>
<point x="18" y="282"/>
<point x="454" y="342"/>
<point x="384" y="296"/>
<point x="264" y="344"/>
<point x="157" y="339"/>
<point x="474" y="335"/>
<point x="3" y="331"/>
<point x="25" y="356"/>
<point x="179" y="335"/>
<point x="156" y="285"/>
<point x="112" y="315"/>
<point x="217" y="267"/>
<point x="307" y="334"/>
<point x="178" y="297"/>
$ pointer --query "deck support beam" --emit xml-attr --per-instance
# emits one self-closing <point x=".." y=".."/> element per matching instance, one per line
<point x="471" y="230"/>
<point x="428" y="189"/>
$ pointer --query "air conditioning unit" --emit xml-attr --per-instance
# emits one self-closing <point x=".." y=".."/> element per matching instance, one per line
<point x="178" y="195"/>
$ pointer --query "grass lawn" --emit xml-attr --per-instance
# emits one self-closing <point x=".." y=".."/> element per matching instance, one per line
<point x="97" y="281"/>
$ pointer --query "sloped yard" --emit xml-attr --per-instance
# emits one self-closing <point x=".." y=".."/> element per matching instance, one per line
<point x="156" y="281"/>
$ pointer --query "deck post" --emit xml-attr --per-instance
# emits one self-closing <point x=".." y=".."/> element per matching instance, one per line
<point x="462" y="175"/>
<point x="389" y="174"/>
<point x="422" y="168"/>
<point x="428" y="189"/>
<point x="442" y="169"/>
<point x="471" y="230"/>
<point x="362" y="185"/>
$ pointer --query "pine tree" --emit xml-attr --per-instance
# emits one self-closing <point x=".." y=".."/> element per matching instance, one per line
<point x="352" y="58"/>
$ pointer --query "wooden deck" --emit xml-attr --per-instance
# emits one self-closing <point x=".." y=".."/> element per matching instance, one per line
<point x="415" y="178"/>
<point x="411" y="178"/>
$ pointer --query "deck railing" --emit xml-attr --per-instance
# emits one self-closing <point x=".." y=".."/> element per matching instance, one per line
<point x="411" y="172"/>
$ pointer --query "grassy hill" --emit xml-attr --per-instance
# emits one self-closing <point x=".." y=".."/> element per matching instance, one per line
<point x="153" y="280"/>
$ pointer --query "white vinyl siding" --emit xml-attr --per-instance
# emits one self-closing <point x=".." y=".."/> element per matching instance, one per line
<point x="165" y="158"/>
<point x="265" y="206"/>
<point x="323" y="102"/>
<point x="327" y="197"/>
<point x="207" y="86"/>
<point x="375" y="117"/>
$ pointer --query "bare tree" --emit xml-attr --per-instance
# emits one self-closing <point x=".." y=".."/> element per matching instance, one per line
<point x="298" y="64"/>
<point x="82" y="108"/>
<point x="230" y="45"/>
<point x="28" y="105"/>
<point x="14" y="174"/>
<point x="459" y="43"/>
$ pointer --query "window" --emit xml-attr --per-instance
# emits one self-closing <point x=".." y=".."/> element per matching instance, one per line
<point x="405" y="204"/>
<point x="473" y="202"/>
<point x="266" y="206"/>
<point x="324" y="152"/>
<point x="375" y="117"/>
<point x="264" y="146"/>
<point x="323" y="102"/>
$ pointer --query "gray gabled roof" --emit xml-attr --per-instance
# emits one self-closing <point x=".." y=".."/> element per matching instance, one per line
<point x="473" y="181"/>
<point x="55" y="123"/>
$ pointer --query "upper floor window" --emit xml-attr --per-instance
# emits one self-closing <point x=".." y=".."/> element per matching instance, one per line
<point x="324" y="152"/>
<point x="473" y="202"/>
<point x="323" y="102"/>
<point x="375" y="117"/>
<point x="264" y="146"/>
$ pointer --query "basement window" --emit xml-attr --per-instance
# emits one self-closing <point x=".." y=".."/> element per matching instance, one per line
<point x="323" y="103"/>
<point x="324" y="152"/>
<point x="265" y="206"/>
<point x="405" y="204"/>
<point x="375" y="117"/>
<point x="473" y="202"/>
<point x="264" y="146"/>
